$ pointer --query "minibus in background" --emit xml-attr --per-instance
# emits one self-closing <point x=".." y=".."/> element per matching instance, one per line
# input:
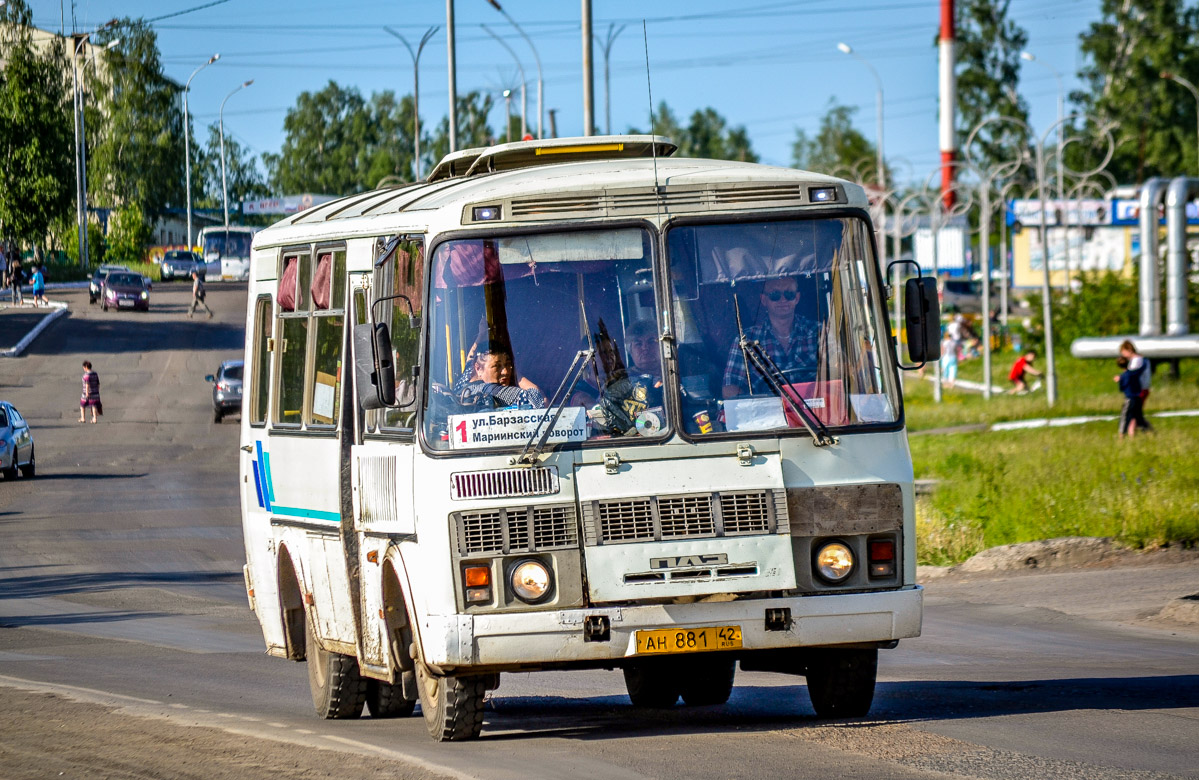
<point x="226" y="251"/>
<point x="577" y="404"/>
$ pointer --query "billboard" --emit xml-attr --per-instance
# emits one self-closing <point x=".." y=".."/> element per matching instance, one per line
<point x="286" y="204"/>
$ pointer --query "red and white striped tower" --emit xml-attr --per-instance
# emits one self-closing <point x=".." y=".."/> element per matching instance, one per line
<point x="949" y="104"/>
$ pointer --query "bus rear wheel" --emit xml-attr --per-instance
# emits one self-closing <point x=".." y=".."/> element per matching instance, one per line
<point x="452" y="706"/>
<point x="651" y="684"/>
<point x="385" y="700"/>
<point x="707" y="681"/>
<point x="338" y="688"/>
<point x="841" y="682"/>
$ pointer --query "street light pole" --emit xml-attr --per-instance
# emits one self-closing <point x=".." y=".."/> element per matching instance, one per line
<point x="845" y="48"/>
<point x="524" y="100"/>
<point x="1194" y="92"/>
<point x="415" y="89"/>
<point x="452" y="56"/>
<point x="536" y="58"/>
<point x="588" y="78"/>
<point x="224" y="187"/>
<point x="1061" y="146"/>
<point x="187" y="146"/>
<point x="508" y="116"/>
<point x="607" y="46"/>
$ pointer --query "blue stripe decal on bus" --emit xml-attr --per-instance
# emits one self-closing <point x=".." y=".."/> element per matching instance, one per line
<point x="270" y="483"/>
<point x="264" y="468"/>
<point x="257" y="483"/>
<point x="309" y="514"/>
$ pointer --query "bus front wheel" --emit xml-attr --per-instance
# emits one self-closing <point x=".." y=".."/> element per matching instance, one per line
<point x="338" y="688"/>
<point x="452" y="706"/>
<point x="841" y="682"/>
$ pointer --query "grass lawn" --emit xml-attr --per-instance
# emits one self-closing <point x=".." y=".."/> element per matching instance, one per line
<point x="1018" y="486"/>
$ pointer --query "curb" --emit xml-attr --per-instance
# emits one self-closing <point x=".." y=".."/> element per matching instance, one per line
<point x="60" y="310"/>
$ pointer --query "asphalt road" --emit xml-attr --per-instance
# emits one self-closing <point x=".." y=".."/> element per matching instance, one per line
<point x="121" y="595"/>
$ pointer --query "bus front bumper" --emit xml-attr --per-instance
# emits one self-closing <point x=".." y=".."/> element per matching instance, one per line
<point x="556" y="637"/>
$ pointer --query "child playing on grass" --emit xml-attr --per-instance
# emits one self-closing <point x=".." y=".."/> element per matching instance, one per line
<point x="1021" y="370"/>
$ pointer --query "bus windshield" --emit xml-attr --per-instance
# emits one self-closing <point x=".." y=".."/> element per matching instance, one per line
<point x="803" y="294"/>
<point x="233" y="243"/>
<point x="513" y="319"/>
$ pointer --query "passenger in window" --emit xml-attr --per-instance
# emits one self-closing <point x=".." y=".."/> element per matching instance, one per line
<point x="790" y="339"/>
<point x="493" y="383"/>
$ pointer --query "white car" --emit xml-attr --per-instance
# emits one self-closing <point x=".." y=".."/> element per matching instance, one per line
<point x="16" y="443"/>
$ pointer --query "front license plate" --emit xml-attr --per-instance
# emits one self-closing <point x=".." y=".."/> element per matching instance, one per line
<point x="688" y="640"/>
<point x="124" y="302"/>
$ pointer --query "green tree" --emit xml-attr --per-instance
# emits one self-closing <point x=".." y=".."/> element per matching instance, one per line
<point x="837" y="148"/>
<point x="128" y="235"/>
<point x="1125" y="53"/>
<point x="243" y="177"/>
<point x="988" y="72"/>
<point x="36" y="141"/>
<point x="339" y="143"/>
<point x="134" y="123"/>
<point x="707" y="135"/>
<point x="473" y="130"/>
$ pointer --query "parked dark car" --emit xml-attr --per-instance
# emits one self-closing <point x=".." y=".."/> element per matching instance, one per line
<point x="125" y="290"/>
<point x="16" y="443"/>
<point x="226" y="389"/>
<point x="93" y="288"/>
<point x="179" y="264"/>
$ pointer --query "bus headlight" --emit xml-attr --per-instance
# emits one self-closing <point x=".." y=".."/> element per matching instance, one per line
<point x="834" y="561"/>
<point x="530" y="581"/>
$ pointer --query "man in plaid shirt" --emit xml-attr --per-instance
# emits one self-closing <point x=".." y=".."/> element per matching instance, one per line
<point x="791" y="340"/>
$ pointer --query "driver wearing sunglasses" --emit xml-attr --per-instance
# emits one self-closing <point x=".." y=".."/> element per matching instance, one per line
<point x="788" y="337"/>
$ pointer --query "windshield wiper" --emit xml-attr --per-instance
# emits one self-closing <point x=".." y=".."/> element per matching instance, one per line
<point x="574" y="373"/>
<point x="777" y="382"/>
<point x="581" y="360"/>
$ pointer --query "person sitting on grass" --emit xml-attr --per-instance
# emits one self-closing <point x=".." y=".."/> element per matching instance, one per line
<point x="1021" y="370"/>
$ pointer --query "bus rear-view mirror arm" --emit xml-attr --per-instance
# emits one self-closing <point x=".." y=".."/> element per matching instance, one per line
<point x="922" y="318"/>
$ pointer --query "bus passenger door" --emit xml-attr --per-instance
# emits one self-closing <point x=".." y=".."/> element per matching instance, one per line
<point x="381" y="476"/>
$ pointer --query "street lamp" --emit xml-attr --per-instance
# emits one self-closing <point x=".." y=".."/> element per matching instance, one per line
<point x="224" y="187"/>
<point x="536" y="59"/>
<point x="187" y="145"/>
<point x="508" y="115"/>
<point x="80" y="152"/>
<point x="524" y="100"/>
<point x="607" y="47"/>
<point x="415" y="88"/>
<point x="1194" y="92"/>
<point x="845" y="48"/>
<point x="1028" y="56"/>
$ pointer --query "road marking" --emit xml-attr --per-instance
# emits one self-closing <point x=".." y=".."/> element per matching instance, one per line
<point x="408" y="757"/>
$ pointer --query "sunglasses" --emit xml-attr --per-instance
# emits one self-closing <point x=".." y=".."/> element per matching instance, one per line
<point x="778" y="295"/>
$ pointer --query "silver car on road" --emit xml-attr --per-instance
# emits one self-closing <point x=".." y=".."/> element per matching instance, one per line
<point x="16" y="443"/>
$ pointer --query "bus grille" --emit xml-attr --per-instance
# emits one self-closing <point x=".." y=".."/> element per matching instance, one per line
<point x="506" y="483"/>
<point x="695" y="516"/>
<point x="516" y="529"/>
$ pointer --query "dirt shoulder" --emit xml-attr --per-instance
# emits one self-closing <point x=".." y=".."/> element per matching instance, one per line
<point x="1083" y="577"/>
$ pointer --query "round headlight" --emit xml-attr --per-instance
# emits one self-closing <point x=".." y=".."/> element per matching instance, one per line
<point x="834" y="562"/>
<point x="530" y="581"/>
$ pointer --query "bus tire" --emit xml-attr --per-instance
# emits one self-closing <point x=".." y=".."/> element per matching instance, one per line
<point x="707" y="681"/>
<point x="338" y="688"/>
<point x="841" y="682"/>
<point x="385" y="700"/>
<point x="452" y="706"/>
<point x="651" y="685"/>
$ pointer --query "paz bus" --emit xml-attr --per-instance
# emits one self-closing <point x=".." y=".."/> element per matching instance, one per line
<point x="226" y="251"/>
<point x="542" y="411"/>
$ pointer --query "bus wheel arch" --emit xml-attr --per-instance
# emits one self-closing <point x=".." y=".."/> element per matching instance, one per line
<point x="397" y="697"/>
<point x="291" y="607"/>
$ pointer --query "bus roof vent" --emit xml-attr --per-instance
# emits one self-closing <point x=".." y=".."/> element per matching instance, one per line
<point x="455" y="164"/>
<point x="549" y="151"/>
<point x="504" y="483"/>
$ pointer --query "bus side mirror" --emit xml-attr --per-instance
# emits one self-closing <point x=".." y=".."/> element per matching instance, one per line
<point x="385" y="370"/>
<point x="922" y="316"/>
<point x="372" y="392"/>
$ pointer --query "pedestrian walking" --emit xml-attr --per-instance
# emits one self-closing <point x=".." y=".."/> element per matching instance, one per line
<point x="949" y="360"/>
<point x="91" y="393"/>
<point x="1138" y="363"/>
<point x="14" y="280"/>
<point x="198" y="295"/>
<point x="39" y="286"/>
<point x="1132" y="414"/>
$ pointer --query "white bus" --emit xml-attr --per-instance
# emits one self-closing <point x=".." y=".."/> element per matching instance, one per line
<point x="226" y="252"/>
<point x="574" y="404"/>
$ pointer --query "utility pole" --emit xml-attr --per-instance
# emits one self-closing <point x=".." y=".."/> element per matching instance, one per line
<point x="607" y="46"/>
<point x="449" y="48"/>
<point x="588" y="79"/>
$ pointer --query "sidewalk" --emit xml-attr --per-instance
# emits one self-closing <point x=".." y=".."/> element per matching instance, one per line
<point x="20" y="325"/>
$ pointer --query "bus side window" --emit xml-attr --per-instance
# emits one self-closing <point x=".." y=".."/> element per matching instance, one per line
<point x="291" y="344"/>
<point x="261" y="378"/>
<point x="403" y="275"/>
<point x="328" y="329"/>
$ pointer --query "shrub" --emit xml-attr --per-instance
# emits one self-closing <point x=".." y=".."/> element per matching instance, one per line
<point x="128" y="235"/>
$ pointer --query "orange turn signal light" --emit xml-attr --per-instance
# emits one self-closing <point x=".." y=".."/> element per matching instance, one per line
<point x="478" y="576"/>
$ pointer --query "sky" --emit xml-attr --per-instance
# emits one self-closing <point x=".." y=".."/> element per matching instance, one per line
<point x="773" y="67"/>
